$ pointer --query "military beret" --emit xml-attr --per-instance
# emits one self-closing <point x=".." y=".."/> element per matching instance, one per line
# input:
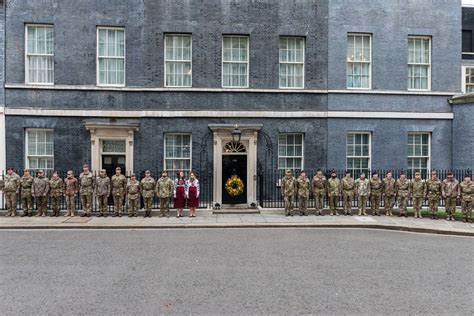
<point x="40" y="171"/>
<point x="389" y="171"/>
<point x="450" y="173"/>
<point x="374" y="173"/>
<point x="318" y="170"/>
<point x="348" y="171"/>
<point x="333" y="171"/>
<point x="402" y="172"/>
<point x="10" y="168"/>
<point x="288" y="170"/>
<point x="467" y="175"/>
<point x="302" y="171"/>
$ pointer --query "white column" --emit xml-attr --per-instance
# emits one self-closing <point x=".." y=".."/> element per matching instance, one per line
<point x="3" y="159"/>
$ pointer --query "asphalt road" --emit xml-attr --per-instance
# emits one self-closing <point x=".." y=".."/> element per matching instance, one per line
<point x="223" y="271"/>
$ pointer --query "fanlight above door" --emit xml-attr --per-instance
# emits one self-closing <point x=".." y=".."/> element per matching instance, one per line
<point x="234" y="147"/>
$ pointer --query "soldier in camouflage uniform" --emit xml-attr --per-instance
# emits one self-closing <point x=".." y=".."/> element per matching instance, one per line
<point x="26" y="183"/>
<point x="288" y="188"/>
<point x="133" y="196"/>
<point x="402" y="186"/>
<point x="362" y="191"/>
<point x="389" y="193"/>
<point x="450" y="191"/>
<point x="164" y="190"/>
<point x="86" y="188"/>
<point x="102" y="192"/>
<point x="40" y="192"/>
<point x="119" y="187"/>
<point x="147" y="187"/>
<point x="319" y="191"/>
<point x="71" y="187"/>
<point x="334" y="191"/>
<point x="348" y="186"/>
<point x="303" y="193"/>
<point x="418" y="191"/>
<point x="376" y="187"/>
<point x="433" y="189"/>
<point x="56" y="187"/>
<point x="466" y="191"/>
<point x="11" y="186"/>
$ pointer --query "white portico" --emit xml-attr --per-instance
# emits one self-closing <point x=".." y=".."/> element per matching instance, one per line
<point x="235" y="157"/>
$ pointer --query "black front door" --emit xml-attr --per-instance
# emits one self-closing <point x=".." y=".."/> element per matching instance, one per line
<point x="110" y="162"/>
<point x="234" y="165"/>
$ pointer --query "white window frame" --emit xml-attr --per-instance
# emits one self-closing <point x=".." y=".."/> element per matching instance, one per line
<point x="27" y="162"/>
<point x="352" y="62"/>
<point x="292" y="63"/>
<point x="428" y="165"/>
<point x="237" y="62"/>
<point x="190" y="60"/>
<point x="124" y="55"/>
<point x="369" y="165"/>
<point x="429" y="64"/>
<point x="26" y="55"/>
<point x="463" y="79"/>
<point x="173" y="158"/>
<point x="293" y="157"/>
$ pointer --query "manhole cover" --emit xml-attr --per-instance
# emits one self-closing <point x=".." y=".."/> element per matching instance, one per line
<point x="77" y="220"/>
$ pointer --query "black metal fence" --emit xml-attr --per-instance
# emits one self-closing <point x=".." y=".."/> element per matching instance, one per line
<point x="269" y="194"/>
<point x="205" y="186"/>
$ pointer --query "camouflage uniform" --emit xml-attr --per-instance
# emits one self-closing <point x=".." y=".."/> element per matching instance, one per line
<point x="40" y="192"/>
<point x="403" y="192"/>
<point x="303" y="194"/>
<point x="334" y="190"/>
<point x="348" y="186"/>
<point x="11" y="185"/>
<point x="102" y="192"/>
<point x="288" y="188"/>
<point x="319" y="191"/>
<point x="26" y="182"/>
<point x="55" y="193"/>
<point x="133" y="196"/>
<point x="389" y="195"/>
<point x="418" y="191"/>
<point x="71" y="187"/>
<point x="362" y="191"/>
<point x="147" y="187"/>
<point x="450" y="190"/>
<point x="466" y="190"/>
<point x="376" y="188"/>
<point x="433" y="188"/>
<point x="119" y="187"/>
<point x="86" y="188"/>
<point x="164" y="190"/>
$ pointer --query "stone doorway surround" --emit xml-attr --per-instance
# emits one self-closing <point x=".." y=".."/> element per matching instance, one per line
<point x="222" y="134"/>
<point x="111" y="129"/>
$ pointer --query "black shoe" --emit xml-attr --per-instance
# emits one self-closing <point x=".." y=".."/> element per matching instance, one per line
<point x="23" y="215"/>
<point x="31" y="214"/>
<point x="83" y="215"/>
<point x="88" y="215"/>
<point x="100" y="215"/>
<point x="114" y="215"/>
<point x="120" y="215"/>
<point x="287" y="214"/>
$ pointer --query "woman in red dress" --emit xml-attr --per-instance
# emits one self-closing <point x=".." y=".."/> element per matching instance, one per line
<point x="192" y="193"/>
<point x="179" y="193"/>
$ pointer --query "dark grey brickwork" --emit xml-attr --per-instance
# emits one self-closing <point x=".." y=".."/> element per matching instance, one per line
<point x="323" y="23"/>
<point x="389" y="141"/>
<point x="463" y="136"/>
<point x="391" y="22"/>
<point x="71" y="140"/>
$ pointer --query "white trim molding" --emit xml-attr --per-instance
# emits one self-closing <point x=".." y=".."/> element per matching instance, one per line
<point x="228" y="114"/>
<point x="222" y="90"/>
<point x="3" y="149"/>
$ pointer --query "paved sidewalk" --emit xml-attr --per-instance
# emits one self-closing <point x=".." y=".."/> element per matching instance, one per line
<point x="266" y="219"/>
